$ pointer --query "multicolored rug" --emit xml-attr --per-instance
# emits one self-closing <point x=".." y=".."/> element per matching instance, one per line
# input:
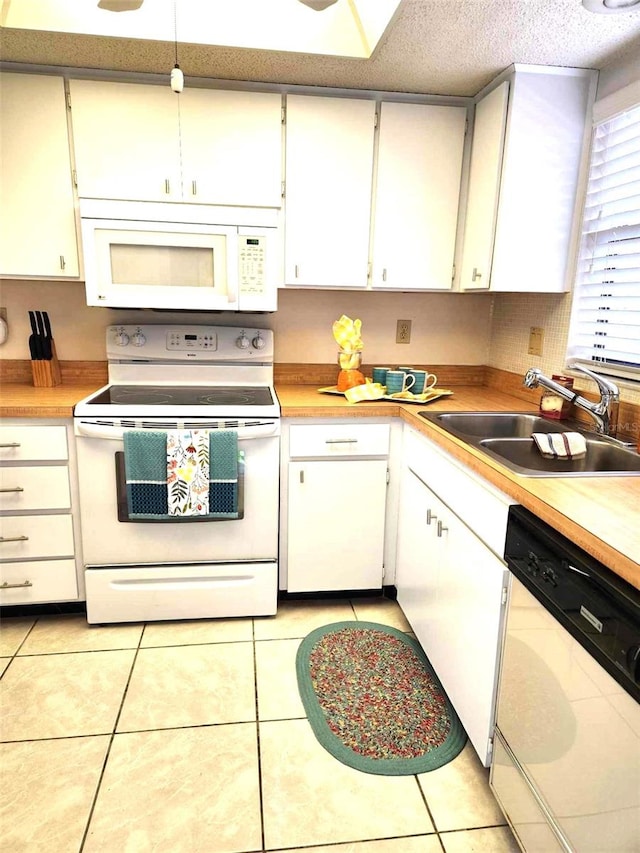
<point x="373" y="700"/>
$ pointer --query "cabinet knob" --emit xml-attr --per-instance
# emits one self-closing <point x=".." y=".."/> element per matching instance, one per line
<point x="475" y="274"/>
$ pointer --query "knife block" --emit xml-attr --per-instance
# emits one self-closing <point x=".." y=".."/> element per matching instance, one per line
<point x="46" y="372"/>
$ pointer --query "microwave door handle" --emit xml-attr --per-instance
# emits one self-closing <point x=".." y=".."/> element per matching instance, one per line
<point x="116" y="433"/>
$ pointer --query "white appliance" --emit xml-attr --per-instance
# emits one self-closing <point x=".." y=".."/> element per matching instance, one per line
<point x="175" y="377"/>
<point x="180" y="256"/>
<point x="566" y="761"/>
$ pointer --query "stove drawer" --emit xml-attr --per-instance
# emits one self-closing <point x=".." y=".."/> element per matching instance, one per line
<point x="185" y="591"/>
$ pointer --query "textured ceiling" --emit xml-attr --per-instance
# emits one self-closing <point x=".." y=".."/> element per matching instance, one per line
<point x="446" y="47"/>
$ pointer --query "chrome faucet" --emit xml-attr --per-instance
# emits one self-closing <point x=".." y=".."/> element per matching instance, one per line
<point x="604" y="411"/>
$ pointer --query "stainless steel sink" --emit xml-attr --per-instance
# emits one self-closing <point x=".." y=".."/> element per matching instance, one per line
<point x="494" y="424"/>
<point x="602" y="457"/>
<point x="506" y="437"/>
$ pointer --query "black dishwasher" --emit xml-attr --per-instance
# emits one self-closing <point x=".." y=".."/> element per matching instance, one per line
<point x="599" y="609"/>
<point x="566" y="760"/>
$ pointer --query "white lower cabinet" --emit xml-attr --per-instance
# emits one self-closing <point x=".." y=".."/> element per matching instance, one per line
<point x="451" y="584"/>
<point x="334" y="509"/>
<point x="37" y="494"/>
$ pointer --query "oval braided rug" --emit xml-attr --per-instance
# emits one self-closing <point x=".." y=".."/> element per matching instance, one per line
<point x="373" y="700"/>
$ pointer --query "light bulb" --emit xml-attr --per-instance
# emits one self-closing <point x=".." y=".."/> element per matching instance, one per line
<point x="177" y="79"/>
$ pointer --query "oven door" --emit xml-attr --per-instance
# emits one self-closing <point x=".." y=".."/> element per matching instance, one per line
<point x="108" y="541"/>
<point x="160" y="571"/>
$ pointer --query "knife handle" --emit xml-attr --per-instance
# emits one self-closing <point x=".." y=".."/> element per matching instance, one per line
<point x="47" y="324"/>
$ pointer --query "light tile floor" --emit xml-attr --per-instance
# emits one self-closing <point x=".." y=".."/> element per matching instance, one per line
<point x="191" y="737"/>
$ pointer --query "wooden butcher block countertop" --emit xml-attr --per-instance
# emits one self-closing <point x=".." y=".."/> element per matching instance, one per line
<point x="600" y="514"/>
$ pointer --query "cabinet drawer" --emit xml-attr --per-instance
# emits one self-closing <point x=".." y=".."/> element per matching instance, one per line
<point x="483" y="508"/>
<point x="34" y="488"/>
<point x="20" y="443"/>
<point x="339" y="440"/>
<point x="50" y="580"/>
<point x="45" y="536"/>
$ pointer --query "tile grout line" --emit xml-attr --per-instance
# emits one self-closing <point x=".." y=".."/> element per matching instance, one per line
<point x="258" y="755"/>
<point x="20" y="645"/>
<point x="111" y="739"/>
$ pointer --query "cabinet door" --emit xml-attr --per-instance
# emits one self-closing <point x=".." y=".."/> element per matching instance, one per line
<point x="231" y="147"/>
<point x="336" y="516"/>
<point x="417" y="195"/>
<point x="126" y="141"/>
<point x="329" y="163"/>
<point x="468" y="623"/>
<point x="417" y="556"/>
<point x="484" y="187"/>
<point x="37" y="219"/>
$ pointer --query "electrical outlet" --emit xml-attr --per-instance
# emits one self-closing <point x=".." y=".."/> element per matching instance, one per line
<point x="403" y="331"/>
<point x="536" y="337"/>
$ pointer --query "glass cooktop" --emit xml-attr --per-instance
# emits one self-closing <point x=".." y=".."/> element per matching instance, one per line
<point x="185" y="395"/>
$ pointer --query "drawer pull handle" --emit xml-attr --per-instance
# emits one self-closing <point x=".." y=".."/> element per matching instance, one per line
<point x="14" y="489"/>
<point x="302" y="476"/>
<point x="341" y="441"/>
<point x="11" y="444"/>
<point x="430" y="516"/>
<point x="13" y="539"/>
<point x="6" y="585"/>
<point x="441" y="528"/>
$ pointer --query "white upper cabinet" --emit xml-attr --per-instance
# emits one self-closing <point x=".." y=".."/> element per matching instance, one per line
<point x="417" y="195"/>
<point x="484" y="187"/>
<point x="521" y="209"/>
<point x="126" y="141"/>
<point x="329" y="166"/>
<point x="231" y="147"/>
<point x="145" y="143"/>
<point x="37" y="219"/>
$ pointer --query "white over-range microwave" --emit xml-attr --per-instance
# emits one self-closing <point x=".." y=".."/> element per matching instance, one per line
<point x="180" y="256"/>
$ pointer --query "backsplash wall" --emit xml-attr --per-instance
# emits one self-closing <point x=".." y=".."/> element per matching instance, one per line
<point x="513" y="315"/>
<point x="447" y="328"/>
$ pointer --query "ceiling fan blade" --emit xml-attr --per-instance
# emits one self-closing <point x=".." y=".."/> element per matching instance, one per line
<point x="318" y="5"/>
<point x="120" y="5"/>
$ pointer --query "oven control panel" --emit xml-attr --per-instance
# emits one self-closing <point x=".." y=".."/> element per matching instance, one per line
<point x="189" y="343"/>
<point x="180" y="340"/>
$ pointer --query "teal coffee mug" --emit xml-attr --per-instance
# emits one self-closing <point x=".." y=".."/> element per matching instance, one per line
<point x="380" y="374"/>
<point x="398" y="380"/>
<point x="424" y="381"/>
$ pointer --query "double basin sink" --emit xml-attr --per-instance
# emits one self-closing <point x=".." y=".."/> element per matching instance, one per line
<point x="506" y="437"/>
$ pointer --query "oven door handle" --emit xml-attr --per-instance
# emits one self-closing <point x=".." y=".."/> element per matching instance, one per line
<point x="116" y="433"/>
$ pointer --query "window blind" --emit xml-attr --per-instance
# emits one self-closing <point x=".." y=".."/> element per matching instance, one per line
<point x="605" y="325"/>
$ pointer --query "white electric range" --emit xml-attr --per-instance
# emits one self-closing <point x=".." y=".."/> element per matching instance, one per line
<point x="174" y="378"/>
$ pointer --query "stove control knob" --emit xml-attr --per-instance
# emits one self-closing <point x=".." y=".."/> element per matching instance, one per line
<point x="121" y="338"/>
<point x="243" y="342"/>
<point x="258" y="342"/>
<point x="138" y="339"/>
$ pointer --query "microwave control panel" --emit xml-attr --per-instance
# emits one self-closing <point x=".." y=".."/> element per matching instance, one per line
<point x="251" y="272"/>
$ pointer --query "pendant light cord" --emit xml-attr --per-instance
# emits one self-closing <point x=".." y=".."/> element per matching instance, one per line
<point x="175" y="29"/>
